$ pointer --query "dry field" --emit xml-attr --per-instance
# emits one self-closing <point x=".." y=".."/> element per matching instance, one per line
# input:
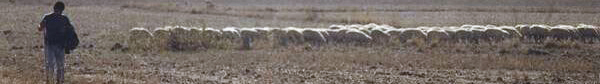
<point x="103" y="23"/>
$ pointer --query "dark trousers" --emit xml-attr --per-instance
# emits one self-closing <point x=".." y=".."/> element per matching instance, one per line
<point x="55" y="62"/>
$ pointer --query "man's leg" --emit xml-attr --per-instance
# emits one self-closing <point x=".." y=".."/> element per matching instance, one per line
<point x="60" y="64"/>
<point x="50" y="63"/>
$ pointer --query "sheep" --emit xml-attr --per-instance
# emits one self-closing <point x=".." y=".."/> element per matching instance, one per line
<point x="356" y="36"/>
<point x="195" y="31"/>
<point x="140" y="38"/>
<point x="281" y="36"/>
<point x="495" y="34"/>
<point x="230" y="33"/>
<point x="471" y="33"/>
<point x="451" y="31"/>
<point x="562" y="32"/>
<point x="323" y="31"/>
<point x="365" y="30"/>
<point x="210" y="37"/>
<point x="182" y="38"/>
<point x="588" y="33"/>
<point x="435" y="35"/>
<point x="180" y="34"/>
<point x="211" y="34"/>
<point x="161" y="38"/>
<point x="313" y="36"/>
<point x="522" y="28"/>
<point x="369" y="26"/>
<point x="337" y="26"/>
<point x="491" y="26"/>
<point x="412" y="33"/>
<point x="514" y="33"/>
<point x="264" y="33"/>
<point x="537" y="32"/>
<point x="395" y="34"/>
<point x="383" y="27"/>
<point x="248" y="36"/>
<point x="354" y="26"/>
<point x="139" y="33"/>
<point x="334" y="35"/>
<point x="478" y="32"/>
<point x="466" y="26"/>
<point x="380" y="36"/>
<point x="463" y="35"/>
<point x="294" y="35"/>
<point x="195" y="35"/>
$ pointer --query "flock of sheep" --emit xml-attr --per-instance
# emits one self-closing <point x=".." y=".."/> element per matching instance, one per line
<point x="180" y="37"/>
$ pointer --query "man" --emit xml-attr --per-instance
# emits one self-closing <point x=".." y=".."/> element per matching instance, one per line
<point x="59" y="38"/>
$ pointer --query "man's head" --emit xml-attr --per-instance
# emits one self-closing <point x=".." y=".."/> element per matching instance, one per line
<point x="59" y="7"/>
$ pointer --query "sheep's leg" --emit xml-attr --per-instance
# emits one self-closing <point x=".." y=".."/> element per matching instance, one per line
<point x="247" y="42"/>
<point x="283" y="41"/>
<point x="593" y="39"/>
<point x="587" y="40"/>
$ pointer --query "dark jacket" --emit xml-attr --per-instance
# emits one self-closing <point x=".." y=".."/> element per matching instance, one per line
<point x="59" y="31"/>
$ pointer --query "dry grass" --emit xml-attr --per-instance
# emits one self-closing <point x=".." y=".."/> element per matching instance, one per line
<point x="103" y="25"/>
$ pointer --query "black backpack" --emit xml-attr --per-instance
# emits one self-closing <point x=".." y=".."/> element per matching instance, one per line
<point x="72" y="41"/>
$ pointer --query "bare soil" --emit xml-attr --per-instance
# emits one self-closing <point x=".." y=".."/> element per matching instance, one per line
<point x="103" y="23"/>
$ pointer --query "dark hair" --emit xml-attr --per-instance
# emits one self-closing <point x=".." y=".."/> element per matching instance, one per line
<point x="59" y="6"/>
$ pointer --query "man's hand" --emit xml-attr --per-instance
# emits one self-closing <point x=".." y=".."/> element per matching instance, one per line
<point x="41" y="26"/>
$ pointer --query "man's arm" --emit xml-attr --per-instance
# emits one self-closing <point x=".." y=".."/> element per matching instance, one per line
<point x="42" y="24"/>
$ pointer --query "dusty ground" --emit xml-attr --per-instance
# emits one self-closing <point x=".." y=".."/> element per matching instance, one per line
<point x="102" y="23"/>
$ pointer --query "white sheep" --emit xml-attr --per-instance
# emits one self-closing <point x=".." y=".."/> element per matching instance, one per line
<point x="230" y="33"/>
<point x="395" y="34"/>
<point x="313" y="36"/>
<point x="478" y="33"/>
<point x="369" y="26"/>
<point x="264" y="33"/>
<point x="212" y="34"/>
<point x="294" y="35"/>
<point x="354" y="26"/>
<point x="383" y="27"/>
<point x="588" y="33"/>
<point x="380" y="36"/>
<point x="323" y="31"/>
<point x="248" y="36"/>
<point x="514" y="33"/>
<point x="337" y="27"/>
<point x="161" y="38"/>
<point x="183" y="38"/>
<point x="493" y="34"/>
<point x="280" y="36"/>
<point x="180" y="34"/>
<point x="451" y="31"/>
<point x="562" y="32"/>
<point x="538" y="32"/>
<point x="140" y="38"/>
<point x="356" y="36"/>
<point x="412" y="33"/>
<point x="436" y="35"/>
<point x="195" y="35"/>
<point x="334" y="35"/>
<point x="463" y="35"/>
